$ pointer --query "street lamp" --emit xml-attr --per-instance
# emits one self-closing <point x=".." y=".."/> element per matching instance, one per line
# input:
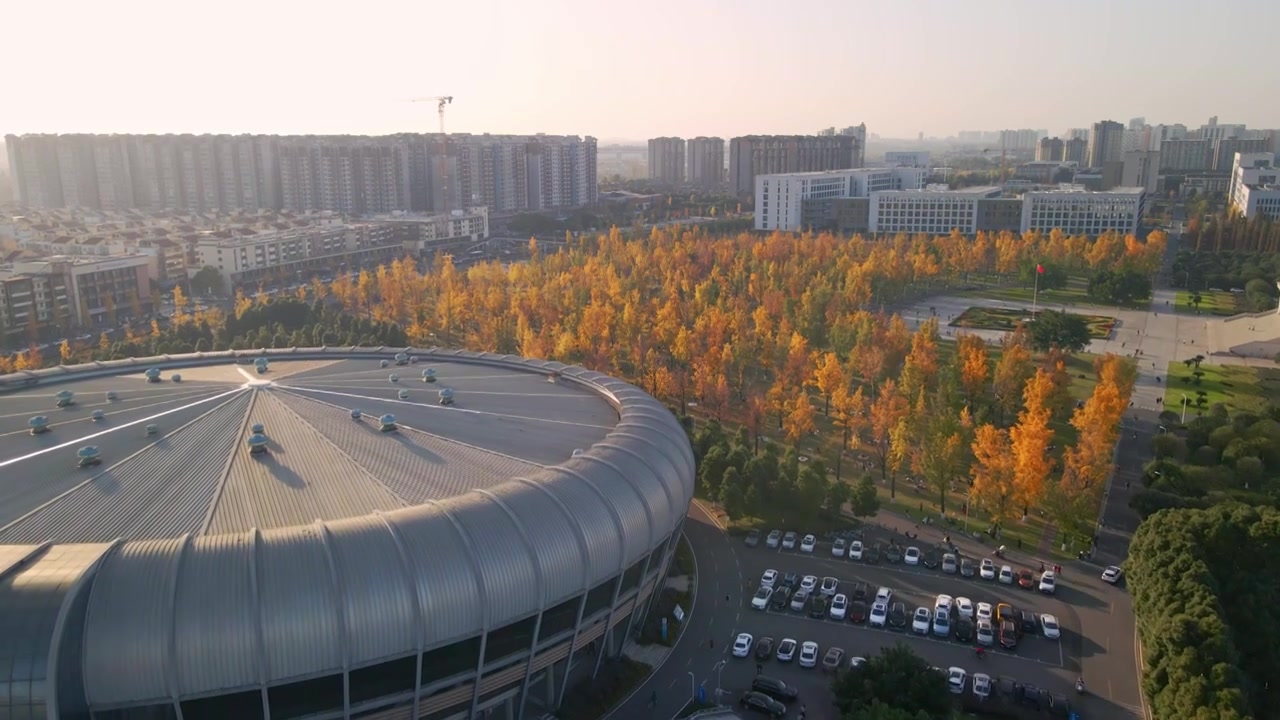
<point x="693" y="687"/>
<point x="1184" y="408"/>
<point x="719" y="670"/>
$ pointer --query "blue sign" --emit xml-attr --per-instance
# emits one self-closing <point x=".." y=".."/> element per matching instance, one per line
<point x="1074" y="715"/>
<point x="664" y="629"/>
<point x="702" y="693"/>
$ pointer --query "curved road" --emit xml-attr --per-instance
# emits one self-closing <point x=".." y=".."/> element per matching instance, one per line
<point x="710" y="618"/>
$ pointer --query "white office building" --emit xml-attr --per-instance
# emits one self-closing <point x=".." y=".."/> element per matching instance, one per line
<point x="931" y="211"/>
<point x="1079" y="212"/>
<point x="1254" y="188"/>
<point x="907" y="158"/>
<point x="780" y="197"/>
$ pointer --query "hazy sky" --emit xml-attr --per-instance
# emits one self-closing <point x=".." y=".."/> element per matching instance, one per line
<point x="635" y="69"/>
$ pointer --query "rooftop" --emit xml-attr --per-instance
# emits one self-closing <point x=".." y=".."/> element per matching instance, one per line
<point x="195" y="474"/>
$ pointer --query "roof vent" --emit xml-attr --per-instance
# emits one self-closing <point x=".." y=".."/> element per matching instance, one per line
<point x="152" y="429"/>
<point x="387" y="423"/>
<point x="111" y="395"/>
<point x="446" y="396"/>
<point x="261" y="365"/>
<point x="393" y="378"/>
<point x="356" y="414"/>
<point x="403" y="394"/>
<point x="177" y="378"/>
<point x="577" y="452"/>
<point x="153" y="375"/>
<point x="402" y="359"/>
<point x="66" y="398"/>
<point x="98" y="415"/>
<point x="413" y="359"/>
<point x="383" y="363"/>
<point x="38" y="424"/>
<point x="257" y="443"/>
<point x="429" y="375"/>
<point x="88" y="456"/>
<point x="257" y="429"/>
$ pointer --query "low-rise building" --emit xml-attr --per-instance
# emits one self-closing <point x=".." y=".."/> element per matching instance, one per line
<point x="781" y="198"/>
<point x="935" y="212"/>
<point x="1255" y="185"/>
<point x="424" y="234"/>
<point x="248" y="258"/>
<point x="44" y="297"/>
<point x="1082" y="212"/>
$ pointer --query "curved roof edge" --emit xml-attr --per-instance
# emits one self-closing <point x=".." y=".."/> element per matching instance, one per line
<point x="639" y="477"/>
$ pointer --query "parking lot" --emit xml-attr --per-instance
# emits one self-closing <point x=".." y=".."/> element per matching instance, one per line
<point x="1046" y="663"/>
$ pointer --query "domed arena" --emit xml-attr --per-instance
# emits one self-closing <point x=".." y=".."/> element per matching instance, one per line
<point x="326" y="533"/>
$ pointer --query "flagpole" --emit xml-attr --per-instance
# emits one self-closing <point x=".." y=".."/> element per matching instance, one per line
<point x="1035" y="293"/>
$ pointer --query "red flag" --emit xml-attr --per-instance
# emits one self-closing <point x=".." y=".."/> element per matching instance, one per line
<point x="1040" y="269"/>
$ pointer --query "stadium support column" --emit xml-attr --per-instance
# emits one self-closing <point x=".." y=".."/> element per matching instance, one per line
<point x="635" y="609"/>
<point x="608" y="624"/>
<point x="568" y="662"/>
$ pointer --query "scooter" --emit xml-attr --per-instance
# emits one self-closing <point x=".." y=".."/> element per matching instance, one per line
<point x="998" y="552"/>
<point x="1080" y="686"/>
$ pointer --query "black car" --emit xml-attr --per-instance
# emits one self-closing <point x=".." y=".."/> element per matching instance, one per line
<point x="964" y="630"/>
<point x="898" y="616"/>
<point x="1027" y="623"/>
<point x="872" y="553"/>
<point x="893" y="553"/>
<point x="761" y="703"/>
<point x="753" y="538"/>
<point x="1008" y="687"/>
<point x="858" y="612"/>
<point x="764" y="648"/>
<point x="818" y="607"/>
<point x="1059" y="705"/>
<point x="967" y="568"/>
<point x="859" y="592"/>
<point x="774" y="688"/>
<point x="1034" y="696"/>
<point x="931" y="558"/>
<point x="781" y="598"/>
<point x="790" y="580"/>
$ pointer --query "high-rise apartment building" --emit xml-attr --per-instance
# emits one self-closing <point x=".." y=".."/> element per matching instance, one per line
<point x="1105" y="142"/>
<point x="1141" y="169"/>
<point x="1255" y="184"/>
<point x="1185" y="155"/>
<point x="1049" y="149"/>
<point x="705" y="158"/>
<point x="666" y="160"/>
<point x="754" y="155"/>
<point x="1137" y="123"/>
<point x="357" y="175"/>
<point x="1212" y="131"/>
<point x="1076" y="150"/>
<point x="1225" y="150"/>
<point x="1024" y="140"/>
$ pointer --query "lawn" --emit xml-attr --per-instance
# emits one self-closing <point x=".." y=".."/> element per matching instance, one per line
<point x="1239" y="387"/>
<point x="1006" y="319"/>
<point x="1075" y="293"/>
<point x="1212" y="302"/>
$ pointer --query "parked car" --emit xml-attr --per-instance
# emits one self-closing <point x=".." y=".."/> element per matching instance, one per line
<point x="839" y="606"/>
<point x="1026" y="580"/>
<point x="1049" y="627"/>
<point x="964" y="630"/>
<point x="1005" y="611"/>
<point x="911" y="556"/>
<point x="769" y="578"/>
<point x="878" y="615"/>
<point x="789" y="540"/>
<point x="949" y="564"/>
<point x="942" y="624"/>
<point x="930" y="558"/>
<point x="872" y="554"/>
<point x="790" y="580"/>
<point x="761" y="703"/>
<point x="1048" y="582"/>
<point x="857" y="611"/>
<point x="1006" y="575"/>
<point x="809" y="583"/>
<point x="808" y="544"/>
<point x="988" y="569"/>
<point x="786" y="650"/>
<point x="898" y="616"/>
<point x="753" y="538"/>
<point x="964" y="607"/>
<point x="775" y="537"/>
<point x="829" y="586"/>
<point x="743" y="644"/>
<point x="855" y="550"/>
<point x="982" y="685"/>
<point x="860" y="591"/>
<point x="893" y="554"/>
<point x="921" y="620"/>
<point x="837" y="548"/>
<point x="818" y="607"/>
<point x="762" y="598"/>
<point x="967" y="569"/>
<point x="943" y="603"/>
<point x="808" y="654"/>
<point x="985" y="634"/>
<point x="983" y="611"/>
<point x="774" y="688"/>
<point x="832" y="660"/>
<point x="799" y="600"/>
<point x="1008" y="635"/>
<point x="781" y="598"/>
<point x="1112" y="575"/>
<point x="956" y="679"/>
<point x="1028" y="623"/>
<point x="884" y="595"/>
<point x="764" y="648"/>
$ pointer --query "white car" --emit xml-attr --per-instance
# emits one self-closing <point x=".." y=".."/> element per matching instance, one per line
<point x="964" y="607"/>
<point x="943" y="603"/>
<point x="855" y="550"/>
<point x="911" y="556"/>
<point x="1006" y="575"/>
<point x="857" y="661"/>
<point x="986" y="634"/>
<point x="799" y="601"/>
<point x="956" y="678"/>
<point x="808" y="543"/>
<point x="773" y="539"/>
<point x="762" y="598"/>
<point x="789" y="540"/>
<point x="769" y="578"/>
<point x="984" y="611"/>
<point x="982" y="685"/>
<point x="808" y="654"/>
<point x="829" y="586"/>
<point x="1048" y="582"/>
<point x="839" y="606"/>
<point x="809" y="583"/>
<point x="1049" y="626"/>
<point x="942" y="624"/>
<point x="884" y="595"/>
<point x="879" y="613"/>
<point x="988" y="569"/>
<point x="921" y="621"/>
<point x="742" y="646"/>
<point x="1112" y="574"/>
<point x="837" y="548"/>
<point x="786" y="650"/>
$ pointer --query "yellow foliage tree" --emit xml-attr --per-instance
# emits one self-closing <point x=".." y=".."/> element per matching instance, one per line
<point x="994" y="473"/>
<point x="1030" y="439"/>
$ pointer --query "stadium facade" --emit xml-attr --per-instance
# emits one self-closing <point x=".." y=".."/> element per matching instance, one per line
<point x="482" y="603"/>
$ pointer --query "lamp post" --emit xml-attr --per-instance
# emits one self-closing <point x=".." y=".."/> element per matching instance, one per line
<point x="719" y="670"/>
<point x="1184" y="408"/>
<point x="693" y="687"/>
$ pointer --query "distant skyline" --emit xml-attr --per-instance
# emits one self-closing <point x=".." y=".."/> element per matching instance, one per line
<point x="668" y="67"/>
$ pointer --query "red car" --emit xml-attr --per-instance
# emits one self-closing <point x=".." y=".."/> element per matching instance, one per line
<point x="858" y="612"/>
<point x="1008" y="635"/>
<point x="1026" y="580"/>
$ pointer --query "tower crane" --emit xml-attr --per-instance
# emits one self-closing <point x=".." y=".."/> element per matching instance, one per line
<point x="441" y="101"/>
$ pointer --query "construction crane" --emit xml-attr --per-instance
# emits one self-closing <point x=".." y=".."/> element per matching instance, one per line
<point x="441" y="101"/>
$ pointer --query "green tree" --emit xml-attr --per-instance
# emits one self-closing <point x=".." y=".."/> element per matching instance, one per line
<point x="863" y="499"/>
<point x="896" y="678"/>
<point x="208" y="281"/>
<point x="837" y="495"/>
<point x="711" y="471"/>
<point x="1066" y="331"/>
<point x="813" y="490"/>
<point x="1054" y="276"/>
<point x="733" y="493"/>
<point x="1119" y="287"/>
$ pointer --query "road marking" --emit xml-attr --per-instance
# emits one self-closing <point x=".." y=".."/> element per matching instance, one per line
<point x="710" y="515"/>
